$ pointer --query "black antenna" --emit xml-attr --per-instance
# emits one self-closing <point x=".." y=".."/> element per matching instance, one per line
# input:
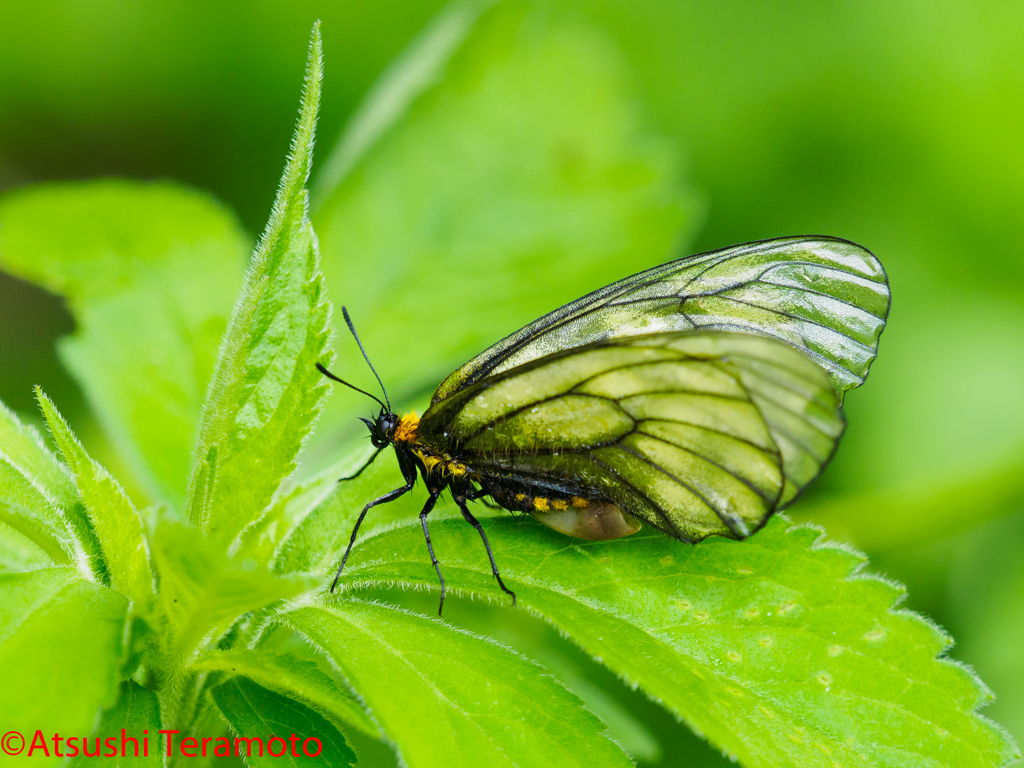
<point x="330" y="375"/>
<point x="344" y="311"/>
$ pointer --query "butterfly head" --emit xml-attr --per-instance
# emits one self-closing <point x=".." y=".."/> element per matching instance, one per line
<point x="382" y="429"/>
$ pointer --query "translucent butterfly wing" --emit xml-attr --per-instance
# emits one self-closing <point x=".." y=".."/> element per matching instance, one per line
<point x="697" y="433"/>
<point x="826" y="296"/>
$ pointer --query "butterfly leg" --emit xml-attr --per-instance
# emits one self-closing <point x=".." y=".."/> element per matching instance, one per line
<point x="480" y="529"/>
<point x="389" y="496"/>
<point x="409" y="473"/>
<point x="434" y="494"/>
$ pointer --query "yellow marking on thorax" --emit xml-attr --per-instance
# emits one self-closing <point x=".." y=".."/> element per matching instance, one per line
<point x="408" y="428"/>
<point x="540" y="503"/>
<point x="579" y="502"/>
<point x="443" y="464"/>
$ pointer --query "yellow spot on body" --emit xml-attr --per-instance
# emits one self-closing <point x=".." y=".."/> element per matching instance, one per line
<point x="745" y="571"/>
<point x="787" y="608"/>
<point x="752" y="613"/>
<point x="734" y="656"/>
<point x="579" y="502"/>
<point x="735" y="692"/>
<point x="603" y="559"/>
<point x="684" y="604"/>
<point x="520" y="496"/>
<point x="429" y="460"/>
<point x="408" y="428"/>
<point x="824" y="678"/>
<point x="560" y="504"/>
<point x="767" y="713"/>
<point x="667" y="560"/>
<point x="766" y="642"/>
<point x="700" y="615"/>
<point x="540" y="503"/>
<point x="835" y="650"/>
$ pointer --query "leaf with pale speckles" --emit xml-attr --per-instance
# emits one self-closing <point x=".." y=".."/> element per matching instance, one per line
<point x="777" y="649"/>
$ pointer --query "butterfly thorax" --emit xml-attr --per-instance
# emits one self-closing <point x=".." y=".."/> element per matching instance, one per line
<point x="432" y="460"/>
<point x="585" y="517"/>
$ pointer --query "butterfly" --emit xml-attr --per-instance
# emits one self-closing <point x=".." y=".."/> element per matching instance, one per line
<point x="697" y="397"/>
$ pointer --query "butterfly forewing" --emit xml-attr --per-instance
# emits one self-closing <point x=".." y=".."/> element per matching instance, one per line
<point x="826" y="296"/>
<point x="697" y="433"/>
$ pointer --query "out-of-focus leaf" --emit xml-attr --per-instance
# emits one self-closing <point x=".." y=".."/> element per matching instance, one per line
<point x="291" y="676"/>
<point x="254" y="712"/>
<point x="136" y="714"/>
<point x="202" y="593"/>
<point x="515" y="176"/>
<point x="986" y="584"/>
<point x="919" y="512"/>
<point x="60" y="647"/>
<point x="266" y="391"/>
<point x="419" y="68"/>
<point x="150" y="271"/>
<point x="450" y="698"/>
<point x="117" y="525"/>
<point x="943" y="404"/>
<point x="775" y="648"/>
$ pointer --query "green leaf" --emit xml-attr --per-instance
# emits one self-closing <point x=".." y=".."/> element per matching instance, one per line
<point x="776" y="648"/>
<point x="291" y="676"/>
<point x="24" y="447"/>
<point x="450" y="698"/>
<point x="29" y="511"/>
<point x="149" y="271"/>
<point x="117" y="524"/>
<point x="39" y="499"/>
<point x="303" y="524"/>
<point x="602" y="693"/>
<point x="304" y="530"/>
<point x="499" y="170"/>
<point x="266" y="391"/>
<point x="202" y="594"/>
<point x="60" y="649"/>
<point x="18" y="553"/>
<point x="253" y="712"/>
<point x="137" y="710"/>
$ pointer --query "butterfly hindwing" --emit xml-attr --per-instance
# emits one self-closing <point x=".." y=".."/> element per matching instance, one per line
<point x="826" y="296"/>
<point x="697" y="433"/>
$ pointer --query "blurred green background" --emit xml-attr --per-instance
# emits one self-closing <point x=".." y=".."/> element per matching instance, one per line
<point x="897" y="124"/>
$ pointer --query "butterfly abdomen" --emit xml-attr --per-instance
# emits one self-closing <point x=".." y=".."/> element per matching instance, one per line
<point x="592" y="519"/>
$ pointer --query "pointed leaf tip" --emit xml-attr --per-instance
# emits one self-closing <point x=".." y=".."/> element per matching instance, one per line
<point x="266" y="392"/>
